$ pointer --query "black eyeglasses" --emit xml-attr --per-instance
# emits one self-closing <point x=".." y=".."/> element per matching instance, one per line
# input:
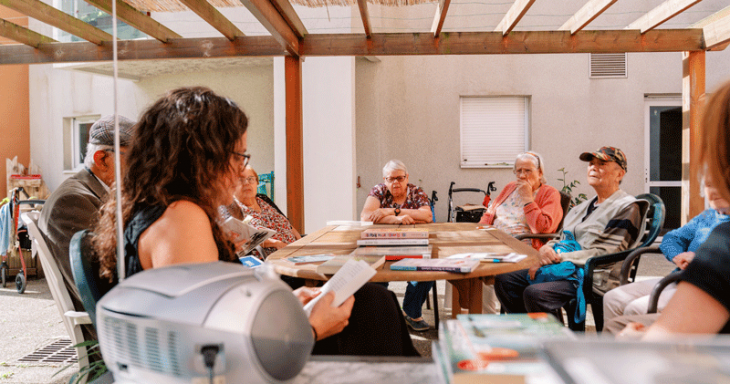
<point x="246" y="158"/>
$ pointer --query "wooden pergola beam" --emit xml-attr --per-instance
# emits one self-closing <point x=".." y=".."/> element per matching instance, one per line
<point x="517" y="42"/>
<point x="213" y="17"/>
<point x="56" y="18"/>
<point x="136" y="19"/>
<point x="440" y="17"/>
<point x="294" y="142"/>
<point x="274" y="22"/>
<point x="290" y="16"/>
<point x="585" y="15"/>
<point x="23" y="35"/>
<point x="362" y="5"/>
<point x="693" y="92"/>
<point x="514" y="15"/>
<point x="141" y="50"/>
<point x="717" y="33"/>
<point x="661" y="14"/>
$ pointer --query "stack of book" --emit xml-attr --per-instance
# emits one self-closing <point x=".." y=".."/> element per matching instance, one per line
<point x="495" y="348"/>
<point x="390" y="237"/>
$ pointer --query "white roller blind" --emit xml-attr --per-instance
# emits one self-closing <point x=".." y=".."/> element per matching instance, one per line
<point x="493" y="130"/>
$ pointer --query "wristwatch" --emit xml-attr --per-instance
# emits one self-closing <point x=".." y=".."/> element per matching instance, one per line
<point x="397" y="211"/>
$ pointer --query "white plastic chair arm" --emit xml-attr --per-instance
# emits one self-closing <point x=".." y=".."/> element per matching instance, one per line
<point x="78" y="318"/>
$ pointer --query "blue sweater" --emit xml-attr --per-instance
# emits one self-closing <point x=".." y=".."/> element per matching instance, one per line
<point x="689" y="237"/>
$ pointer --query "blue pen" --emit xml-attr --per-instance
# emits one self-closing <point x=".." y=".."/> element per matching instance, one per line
<point x="493" y="260"/>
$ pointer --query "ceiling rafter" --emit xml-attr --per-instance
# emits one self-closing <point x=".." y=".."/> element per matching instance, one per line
<point x="56" y="18"/>
<point x="513" y="16"/>
<point x="200" y="48"/>
<point x="290" y="16"/>
<point x="213" y="17"/>
<point x="267" y="14"/>
<point x="136" y="19"/>
<point x="585" y="15"/>
<point x="440" y="17"/>
<point x="717" y="33"/>
<point x="661" y="14"/>
<point x="23" y="35"/>
<point x="362" y="5"/>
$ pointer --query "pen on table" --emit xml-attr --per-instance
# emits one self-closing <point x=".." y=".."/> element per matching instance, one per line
<point x="492" y="260"/>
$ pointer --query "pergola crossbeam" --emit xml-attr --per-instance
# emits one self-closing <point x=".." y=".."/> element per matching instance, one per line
<point x="517" y="42"/>
<point x="585" y="15"/>
<point x="200" y="48"/>
<point x="661" y="14"/>
<point x="717" y="33"/>
<point x="267" y="14"/>
<point x="23" y="35"/>
<point x="136" y="19"/>
<point x="56" y="18"/>
<point x="514" y="15"/>
<point x="213" y="17"/>
<point x="440" y="17"/>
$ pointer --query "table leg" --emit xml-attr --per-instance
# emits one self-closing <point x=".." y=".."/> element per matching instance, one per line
<point x="469" y="295"/>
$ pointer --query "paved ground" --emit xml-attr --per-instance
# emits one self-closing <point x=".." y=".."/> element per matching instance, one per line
<point x="31" y="321"/>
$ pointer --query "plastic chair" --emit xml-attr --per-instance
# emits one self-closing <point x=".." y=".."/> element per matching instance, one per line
<point x="654" y="216"/>
<point x="86" y="274"/>
<point x="628" y="272"/>
<point x="72" y="319"/>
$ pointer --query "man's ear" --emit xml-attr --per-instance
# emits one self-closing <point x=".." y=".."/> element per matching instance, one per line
<point x="100" y="159"/>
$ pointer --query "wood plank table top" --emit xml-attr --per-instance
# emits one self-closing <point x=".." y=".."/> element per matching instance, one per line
<point x="445" y="238"/>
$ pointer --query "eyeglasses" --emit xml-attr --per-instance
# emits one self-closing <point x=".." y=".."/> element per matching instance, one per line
<point x="246" y="158"/>
<point x="392" y="179"/>
<point x="249" y="180"/>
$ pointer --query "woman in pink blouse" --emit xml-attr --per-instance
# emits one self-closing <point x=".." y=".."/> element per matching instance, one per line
<point x="528" y="204"/>
<point x="263" y="211"/>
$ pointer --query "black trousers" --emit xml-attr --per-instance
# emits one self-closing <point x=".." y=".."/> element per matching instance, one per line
<point x="517" y="295"/>
<point x="376" y="328"/>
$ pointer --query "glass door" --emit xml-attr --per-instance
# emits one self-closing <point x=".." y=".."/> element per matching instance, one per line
<point x="663" y="155"/>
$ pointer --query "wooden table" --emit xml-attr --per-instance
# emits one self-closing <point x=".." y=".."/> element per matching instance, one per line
<point x="446" y="238"/>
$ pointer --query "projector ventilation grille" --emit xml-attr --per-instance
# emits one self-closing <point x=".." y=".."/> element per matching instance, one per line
<point x="158" y="355"/>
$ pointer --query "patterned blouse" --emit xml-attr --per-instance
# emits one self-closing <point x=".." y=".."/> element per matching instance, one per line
<point x="416" y="197"/>
<point x="270" y="218"/>
<point x="510" y="216"/>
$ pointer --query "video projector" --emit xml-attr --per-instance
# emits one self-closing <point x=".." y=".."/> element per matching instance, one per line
<point x="158" y="326"/>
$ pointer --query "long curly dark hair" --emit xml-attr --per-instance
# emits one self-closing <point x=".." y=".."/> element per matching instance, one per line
<point x="181" y="150"/>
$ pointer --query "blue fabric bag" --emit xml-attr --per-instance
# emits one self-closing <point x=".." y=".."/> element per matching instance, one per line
<point x="565" y="271"/>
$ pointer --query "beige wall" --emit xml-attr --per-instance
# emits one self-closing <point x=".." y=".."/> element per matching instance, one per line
<point x="14" y="126"/>
<point x="408" y="108"/>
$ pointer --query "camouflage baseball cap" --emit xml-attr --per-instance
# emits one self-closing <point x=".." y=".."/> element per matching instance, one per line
<point x="102" y="132"/>
<point x="607" y="154"/>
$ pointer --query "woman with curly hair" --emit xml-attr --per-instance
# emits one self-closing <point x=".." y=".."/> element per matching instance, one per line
<point x="188" y="152"/>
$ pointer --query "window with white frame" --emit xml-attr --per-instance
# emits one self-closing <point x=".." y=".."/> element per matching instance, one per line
<point x="76" y="138"/>
<point x="493" y="130"/>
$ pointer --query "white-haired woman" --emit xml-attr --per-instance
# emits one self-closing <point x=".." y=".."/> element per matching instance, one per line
<point x="528" y="204"/>
<point x="396" y="201"/>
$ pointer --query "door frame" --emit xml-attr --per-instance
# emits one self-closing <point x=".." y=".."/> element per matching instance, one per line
<point x="656" y="101"/>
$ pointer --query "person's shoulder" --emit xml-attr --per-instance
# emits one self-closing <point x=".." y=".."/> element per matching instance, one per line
<point x="185" y="210"/>
<point x="549" y="190"/>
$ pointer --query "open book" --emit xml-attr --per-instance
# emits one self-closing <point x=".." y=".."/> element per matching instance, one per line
<point x="344" y="283"/>
<point x="245" y="231"/>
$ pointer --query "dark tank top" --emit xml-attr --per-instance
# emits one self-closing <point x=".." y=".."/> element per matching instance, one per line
<point x="139" y="223"/>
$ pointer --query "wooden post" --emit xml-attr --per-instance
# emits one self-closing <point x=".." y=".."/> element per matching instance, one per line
<point x="294" y="143"/>
<point x="693" y="91"/>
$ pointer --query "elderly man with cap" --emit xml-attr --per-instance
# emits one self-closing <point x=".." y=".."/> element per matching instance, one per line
<point x="74" y="205"/>
<point x="610" y="222"/>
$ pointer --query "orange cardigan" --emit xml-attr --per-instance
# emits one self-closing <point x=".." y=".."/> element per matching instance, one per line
<point x="542" y="215"/>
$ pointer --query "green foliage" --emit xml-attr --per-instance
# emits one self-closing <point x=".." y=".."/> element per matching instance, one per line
<point x="568" y="188"/>
<point x="94" y="370"/>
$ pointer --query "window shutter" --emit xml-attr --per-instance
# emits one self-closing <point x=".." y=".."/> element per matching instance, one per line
<point x="493" y="130"/>
<point x="608" y="65"/>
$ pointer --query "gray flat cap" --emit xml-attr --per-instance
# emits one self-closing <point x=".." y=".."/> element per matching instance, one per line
<point x="102" y="132"/>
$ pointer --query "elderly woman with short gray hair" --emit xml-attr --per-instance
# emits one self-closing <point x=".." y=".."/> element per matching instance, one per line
<point x="396" y="201"/>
